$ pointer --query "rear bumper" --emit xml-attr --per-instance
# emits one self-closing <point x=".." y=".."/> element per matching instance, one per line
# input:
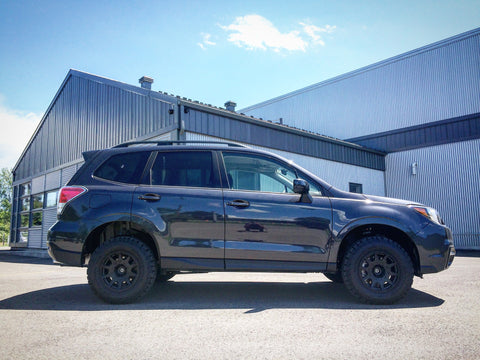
<point x="64" y="247"/>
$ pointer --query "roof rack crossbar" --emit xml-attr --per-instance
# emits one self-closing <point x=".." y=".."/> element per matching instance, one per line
<point x="176" y="142"/>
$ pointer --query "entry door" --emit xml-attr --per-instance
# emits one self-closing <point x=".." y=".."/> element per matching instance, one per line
<point x="184" y="204"/>
<point x="266" y="225"/>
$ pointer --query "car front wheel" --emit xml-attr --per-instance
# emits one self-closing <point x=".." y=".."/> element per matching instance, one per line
<point x="377" y="270"/>
<point x="122" y="270"/>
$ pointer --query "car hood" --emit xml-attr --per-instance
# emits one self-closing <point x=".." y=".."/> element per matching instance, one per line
<point x="388" y="200"/>
<point x="380" y="199"/>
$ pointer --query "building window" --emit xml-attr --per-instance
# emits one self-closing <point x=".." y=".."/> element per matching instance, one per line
<point x="25" y="189"/>
<point x="25" y="205"/>
<point x="37" y="201"/>
<point x="37" y="217"/>
<point x="51" y="199"/>
<point x="37" y="206"/>
<point x="356" y="188"/>
<point x="22" y="236"/>
<point x="25" y="220"/>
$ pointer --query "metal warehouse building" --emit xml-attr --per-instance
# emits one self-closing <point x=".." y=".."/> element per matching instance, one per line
<point x="410" y="128"/>
<point x="422" y="108"/>
<point x="91" y="112"/>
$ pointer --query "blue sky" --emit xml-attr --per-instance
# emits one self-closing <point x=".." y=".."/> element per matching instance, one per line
<point x="211" y="51"/>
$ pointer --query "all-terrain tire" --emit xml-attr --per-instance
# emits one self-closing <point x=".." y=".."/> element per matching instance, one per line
<point x="122" y="270"/>
<point x="377" y="270"/>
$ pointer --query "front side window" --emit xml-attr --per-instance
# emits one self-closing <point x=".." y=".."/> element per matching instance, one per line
<point x="124" y="168"/>
<point x="184" y="168"/>
<point x="256" y="173"/>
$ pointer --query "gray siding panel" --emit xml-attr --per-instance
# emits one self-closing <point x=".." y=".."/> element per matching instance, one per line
<point x="447" y="179"/>
<point x="38" y="184"/>
<point x="88" y="115"/>
<point x="67" y="174"/>
<point x="436" y="133"/>
<point x="49" y="218"/>
<point x="35" y="239"/>
<point x="256" y="133"/>
<point x="53" y="180"/>
<point x="429" y="84"/>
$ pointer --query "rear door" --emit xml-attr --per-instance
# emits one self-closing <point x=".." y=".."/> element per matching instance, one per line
<point x="266" y="225"/>
<point x="182" y="199"/>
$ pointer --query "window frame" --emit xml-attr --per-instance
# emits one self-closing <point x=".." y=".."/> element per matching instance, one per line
<point x="218" y="181"/>
<point x="300" y="174"/>
<point x="141" y="172"/>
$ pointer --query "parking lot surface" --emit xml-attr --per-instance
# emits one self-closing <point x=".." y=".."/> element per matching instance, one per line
<point x="49" y="312"/>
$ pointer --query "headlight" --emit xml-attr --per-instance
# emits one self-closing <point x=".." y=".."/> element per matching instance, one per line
<point x="429" y="213"/>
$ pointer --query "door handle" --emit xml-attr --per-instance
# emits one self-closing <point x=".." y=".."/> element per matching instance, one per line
<point x="149" y="197"/>
<point x="238" y="203"/>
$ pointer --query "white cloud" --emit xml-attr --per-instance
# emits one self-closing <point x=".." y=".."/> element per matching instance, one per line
<point x="206" y="41"/>
<point x="256" y="32"/>
<point x="314" y="31"/>
<point x="17" y="129"/>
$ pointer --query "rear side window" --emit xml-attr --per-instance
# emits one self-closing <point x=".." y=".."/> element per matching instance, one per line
<point x="186" y="168"/>
<point x="124" y="168"/>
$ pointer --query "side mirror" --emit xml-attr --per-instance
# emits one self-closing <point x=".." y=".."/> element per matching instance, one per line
<point x="302" y="187"/>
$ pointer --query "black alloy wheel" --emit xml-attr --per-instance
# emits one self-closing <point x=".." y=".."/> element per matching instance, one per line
<point x="377" y="270"/>
<point x="122" y="270"/>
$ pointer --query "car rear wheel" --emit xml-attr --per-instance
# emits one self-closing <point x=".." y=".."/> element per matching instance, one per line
<point x="377" y="270"/>
<point x="122" y="270"/>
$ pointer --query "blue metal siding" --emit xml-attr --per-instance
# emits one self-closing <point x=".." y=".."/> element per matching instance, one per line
<point x="439" y="81"/>
<point x="435" y="133"/>
<point x="272" y="136"/>
<point x="446" y="179"/>
<point x="89" y="115"/>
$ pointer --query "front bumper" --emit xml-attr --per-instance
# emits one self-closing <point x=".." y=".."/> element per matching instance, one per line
<point x="436" y="249"/>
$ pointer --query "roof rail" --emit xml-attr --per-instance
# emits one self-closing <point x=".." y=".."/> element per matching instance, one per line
<point x="176" y="142"/>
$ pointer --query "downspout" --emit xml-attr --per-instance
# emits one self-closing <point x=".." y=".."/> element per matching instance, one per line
<point x="181" y="122"/>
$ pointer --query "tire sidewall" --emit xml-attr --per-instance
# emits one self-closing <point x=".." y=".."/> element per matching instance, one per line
<point x="352" y="275"/>
<point x="146" y="270"/>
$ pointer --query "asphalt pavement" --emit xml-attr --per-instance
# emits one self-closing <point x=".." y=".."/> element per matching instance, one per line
<point x="49" y="312"/>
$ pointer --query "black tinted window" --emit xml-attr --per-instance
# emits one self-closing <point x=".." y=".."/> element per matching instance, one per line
<point x="194" y="169"/>
<point x="124" y="168"/>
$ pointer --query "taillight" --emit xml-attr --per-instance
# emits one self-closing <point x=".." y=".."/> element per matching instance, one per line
<point x="67" y="194"/>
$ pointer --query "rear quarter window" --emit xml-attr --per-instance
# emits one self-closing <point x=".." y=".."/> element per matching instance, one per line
<point x="124" y="168"/>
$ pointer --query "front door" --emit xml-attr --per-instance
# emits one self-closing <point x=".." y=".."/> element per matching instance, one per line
<point x="266" y="225"/>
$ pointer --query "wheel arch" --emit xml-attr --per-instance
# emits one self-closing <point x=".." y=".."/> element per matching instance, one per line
<point x="395" y="234"/>
<point x="114" y="229"/>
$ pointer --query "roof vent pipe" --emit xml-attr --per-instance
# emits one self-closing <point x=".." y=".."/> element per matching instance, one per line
<point x="146" y="82"/>
<point x="230" y="105"/>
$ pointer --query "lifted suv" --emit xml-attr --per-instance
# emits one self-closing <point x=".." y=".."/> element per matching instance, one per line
<point x="135" y="214"/>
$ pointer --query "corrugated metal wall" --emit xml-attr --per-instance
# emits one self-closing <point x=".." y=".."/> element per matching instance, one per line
<point x="433" y="83"/>
<point x="281" y="138"/>
<point x="337" y="174"/>
<point x="436" y="133"/>
<point x="91" y="115"/>
<point x="447" y="179"/>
